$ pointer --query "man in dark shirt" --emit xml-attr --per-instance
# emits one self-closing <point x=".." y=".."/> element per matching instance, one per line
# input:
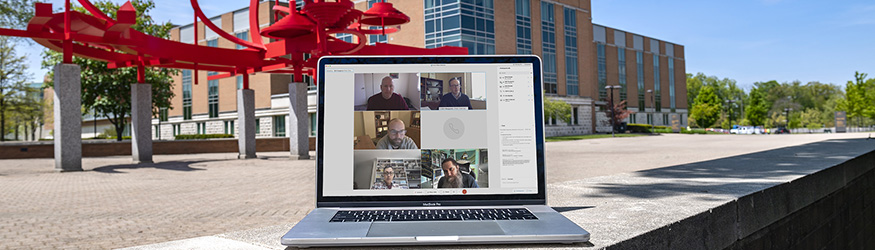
<point x="453" y="178"/>
<point x="455" y="98"/>
<point x="387" y="99"/>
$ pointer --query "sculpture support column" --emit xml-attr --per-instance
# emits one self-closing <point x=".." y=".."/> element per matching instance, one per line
<point x="68" y="118"/>
<point x="299" y="132"/>
<point x="246" y="123"/>
<point x="141" y="122"/>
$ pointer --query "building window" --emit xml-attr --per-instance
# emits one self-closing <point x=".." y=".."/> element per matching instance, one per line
<point x="621" y="68"/>
<point x="602" y="74"/>
<point x="229" y="127"/>
<point x="548" y="35"/>
<point x="213" y="98"/>
<point x="639" y="69"/>
<point x="279" y="126"/>
<point x="671" y="84"/>
<point x="313" y="124"/>
<point x="213" y="42"/>
<point x="202" y="128"/>
<point x="650" y="118"/>
<point x="346" y="37"/>
<point x="242" y="36"/>
<point x="257" y="126"/>
<point x="656" y="88"/>
<point x="186" y="94"/>
<point x="632" y="118"/>
<point x="571" y="75"/>
<point x="665" y="119"/>
<point x="466" y="23"/>
<point x="176" y="129"/>
<point x="162" y="114"/>
<point x="523" y="27"/>
<point x="239" y="82"/>
<point x="574" y="115"/>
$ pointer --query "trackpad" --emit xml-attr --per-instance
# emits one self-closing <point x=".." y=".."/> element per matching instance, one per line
<point x="435" y="228"/>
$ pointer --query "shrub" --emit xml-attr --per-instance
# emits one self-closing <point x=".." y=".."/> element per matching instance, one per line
<point x="647" y="128"/>
<point x="202" y="137"/>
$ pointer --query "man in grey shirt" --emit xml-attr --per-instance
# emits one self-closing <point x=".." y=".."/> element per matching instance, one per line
<point x="397" y="137"/>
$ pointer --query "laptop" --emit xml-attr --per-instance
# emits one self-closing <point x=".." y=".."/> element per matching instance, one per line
<point x="430" y="150"/>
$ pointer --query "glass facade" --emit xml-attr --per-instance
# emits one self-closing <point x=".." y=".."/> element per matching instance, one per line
<point x="639" y="71"/>
<point x="671" y="84"/>
<point x="571" y="70"/>
<point x="523" y="27"/>
<point x="465" y="23"/>
<point x="602" y="71"/>
<point x="279" y="126"/>
<point x="548" y="35"/>
<point x="621" y="69"/>
<point x="186" y="94"/>
<point x="213" y="98"/>
<point x="656" y="88"/>
<point x="244" y="35"/>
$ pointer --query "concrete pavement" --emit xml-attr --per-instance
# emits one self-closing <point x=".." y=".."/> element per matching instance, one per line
<point x="203" y="198"/>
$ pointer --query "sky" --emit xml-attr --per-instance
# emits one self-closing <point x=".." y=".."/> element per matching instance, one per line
<point x="745" y="40"/>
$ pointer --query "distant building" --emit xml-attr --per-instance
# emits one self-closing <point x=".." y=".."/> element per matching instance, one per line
<point x="580" y="59"/>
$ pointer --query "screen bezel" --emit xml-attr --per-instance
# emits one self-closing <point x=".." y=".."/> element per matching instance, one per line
<point x="433" y="200"/>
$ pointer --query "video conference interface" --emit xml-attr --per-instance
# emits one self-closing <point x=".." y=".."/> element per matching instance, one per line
<point x="429" y="129"/>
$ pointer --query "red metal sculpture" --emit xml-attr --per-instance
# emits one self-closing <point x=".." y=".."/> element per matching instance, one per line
<point x="307" y="31"/>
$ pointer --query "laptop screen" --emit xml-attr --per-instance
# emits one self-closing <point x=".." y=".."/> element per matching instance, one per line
<point x="429" y="129"/>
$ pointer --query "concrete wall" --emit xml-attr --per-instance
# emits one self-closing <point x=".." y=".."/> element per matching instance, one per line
<point x="108" y="148"/>
<point x="830" y="209"/>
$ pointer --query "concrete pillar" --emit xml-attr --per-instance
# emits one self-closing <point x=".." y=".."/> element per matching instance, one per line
<point x="68" y="118"/>
<point x="141" y="122"/>
<point x="299" y="121"/>
<point x="246" y="123"/>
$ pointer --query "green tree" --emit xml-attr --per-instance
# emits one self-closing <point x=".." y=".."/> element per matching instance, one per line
<point x="13" y="79"/>
<point x="811" y="119"/>
<point x="756" y="110"/>
<point x="15" y="13"/>
<point x="557" y="108"/>
<point x="706" y="109"/>
<point x="108" y="91"/>
<point x="855" y="103"/>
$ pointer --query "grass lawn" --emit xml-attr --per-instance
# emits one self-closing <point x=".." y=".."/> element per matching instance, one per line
<point x="584" y="137"/>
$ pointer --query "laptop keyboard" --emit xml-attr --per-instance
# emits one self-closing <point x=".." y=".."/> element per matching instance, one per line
<point x="433" y="215"/>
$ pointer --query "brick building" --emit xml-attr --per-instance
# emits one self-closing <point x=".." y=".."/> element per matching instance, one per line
<point x="580" y="59"/>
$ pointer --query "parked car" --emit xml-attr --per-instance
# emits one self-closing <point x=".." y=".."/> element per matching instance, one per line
<point x="781" y="130"/>
<point x="746" y="130"/>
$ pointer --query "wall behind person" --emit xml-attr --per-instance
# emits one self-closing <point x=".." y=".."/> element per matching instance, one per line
<point x="406" y="85"/>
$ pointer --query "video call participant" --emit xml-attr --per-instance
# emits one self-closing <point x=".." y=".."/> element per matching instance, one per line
<point x="397" y="137"/>
<point x="387" y="99"/>
<point x="455" y="98"/>
<point x="386" y="183"/>
<point x="453" y="178"/>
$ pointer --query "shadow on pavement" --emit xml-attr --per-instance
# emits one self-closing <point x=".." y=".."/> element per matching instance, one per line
<point x="168" y="165"/>
<point x="735" y="175"/>
<point x="567" y="209"/>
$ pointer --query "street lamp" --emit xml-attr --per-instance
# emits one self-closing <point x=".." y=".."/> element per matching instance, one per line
<point x="611" y="106"/>
<point x="650" y="116"/>
<point x="729" y="107"/>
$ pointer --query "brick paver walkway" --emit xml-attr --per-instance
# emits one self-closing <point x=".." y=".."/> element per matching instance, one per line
<point x="115" y="204"/>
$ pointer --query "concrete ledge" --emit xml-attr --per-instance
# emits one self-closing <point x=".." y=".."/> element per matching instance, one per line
<point x="110" y="148"/>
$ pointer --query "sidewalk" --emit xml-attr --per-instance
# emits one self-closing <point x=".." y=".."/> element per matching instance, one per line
<point x="215" y="199"/>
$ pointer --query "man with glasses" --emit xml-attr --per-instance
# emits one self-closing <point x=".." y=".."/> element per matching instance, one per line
<point x="397" y="137"/>
<point x="388" y="175"/>
<point x="455" y="98"/>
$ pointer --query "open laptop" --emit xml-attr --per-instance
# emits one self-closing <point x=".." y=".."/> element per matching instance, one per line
<point x="431" y="150"/>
